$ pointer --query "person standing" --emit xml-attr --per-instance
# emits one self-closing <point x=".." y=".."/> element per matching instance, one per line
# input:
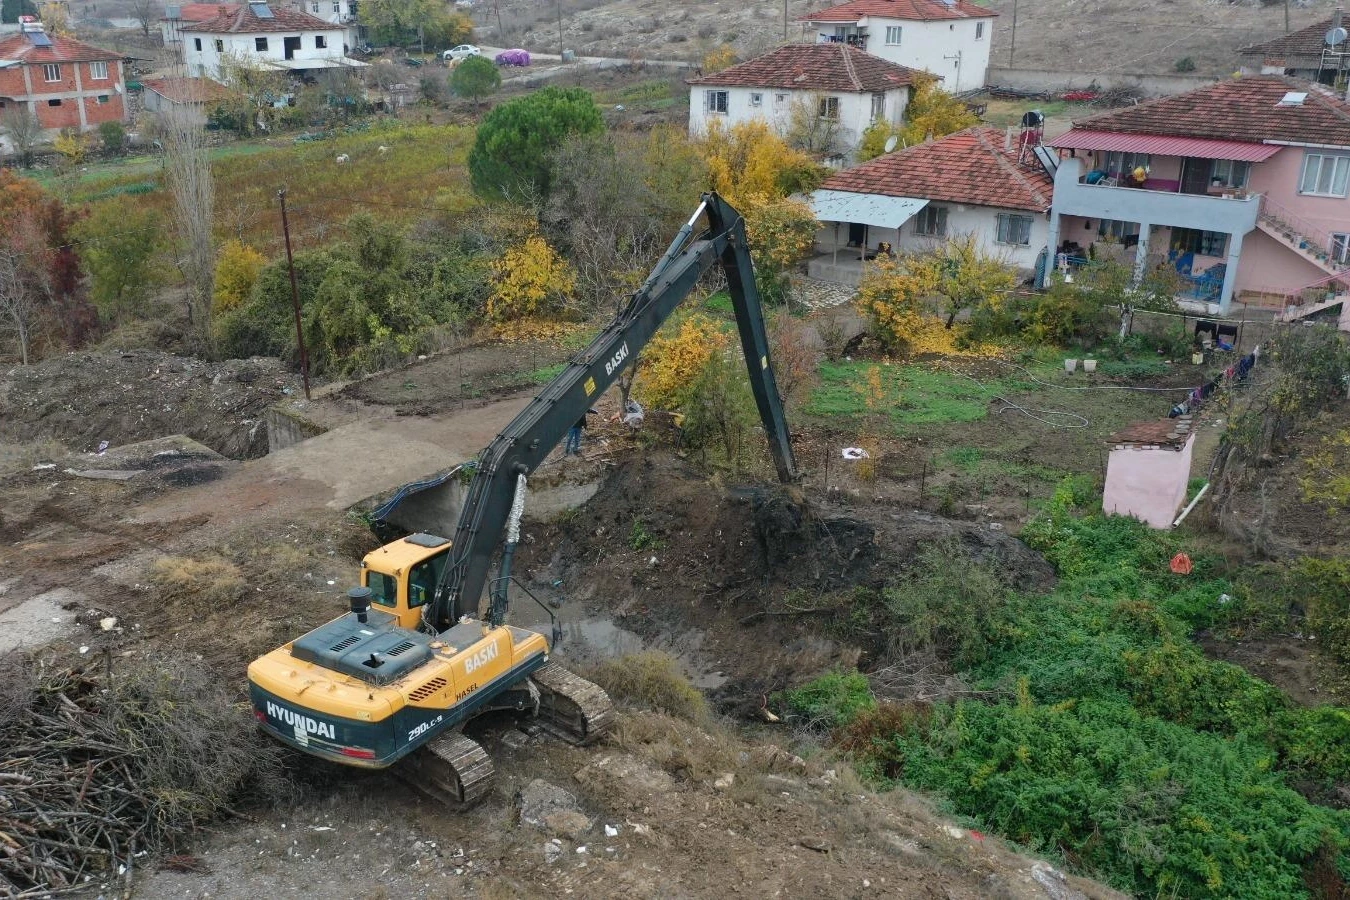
<point x="573" y="444"/>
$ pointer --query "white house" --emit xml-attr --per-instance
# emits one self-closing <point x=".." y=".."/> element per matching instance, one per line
<point x="832" y="92"/>
<point x="334" y="12"/>
<point x="177" y="15"/>
<point x="258" y="34"/>
<point x="979" y="182"/>
<point x="950" y="38"/>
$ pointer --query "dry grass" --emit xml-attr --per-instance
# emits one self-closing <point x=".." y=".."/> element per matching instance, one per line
<point x="652" y="680"/>
<point x="189" y="583"/>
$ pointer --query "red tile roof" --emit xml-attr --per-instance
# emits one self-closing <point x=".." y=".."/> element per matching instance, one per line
<point x="245" y="21"/>
<point x="202" y="12"/>
<point x="970" y="166"/>
<point x="1170" y="433"/>
<point x="815" y="67"/>
<point x="1237" y="109"/>
<point x="63" y="49"/>
<point x="187" y="90"/>
<point x="918" y="10"/>
<point x="1304" y="42"/>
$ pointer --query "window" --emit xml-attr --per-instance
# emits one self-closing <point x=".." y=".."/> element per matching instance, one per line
<point x="1120" y="231"/>
<point x="98" y="71"/>
<point x="314" y="8"/>
<point x="1229" y="173"/>
<point x="53" y="102"/>
<point x="220" y="45"/>
<point x="259" y="44"/>
<point x="337" y="6"/>
<point x="756" y="99"/>
<point x="1013" y="229"/>
<point x="878" y="107"/>
<point x="51" y="72"/>
<point x="1117" y="162"/>
<point x="383" y="588"/>
<point x="780" y="98"/>
<point x="1340" y="247"/>
<point x="320" y="42"/>
<point x="1324" y="175"/>
<point x="979" y="31"/>
<point x="102" y="98"/>
<point x="893" y="33"/>
<point x="829" y="107"/>
<point x="715" y="102"/>
<point x="197" y="44"/>
<point x="931" y="221"/>
<point x="1205" y="243"/>
<point x="425" y="575"/>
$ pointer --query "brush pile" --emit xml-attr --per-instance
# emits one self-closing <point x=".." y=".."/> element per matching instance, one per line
<point x="99" y="773"/>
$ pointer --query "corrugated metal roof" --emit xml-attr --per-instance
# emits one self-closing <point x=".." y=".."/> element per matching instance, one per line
<point x="876" y="210"/>
<point x="1164" y="145"/>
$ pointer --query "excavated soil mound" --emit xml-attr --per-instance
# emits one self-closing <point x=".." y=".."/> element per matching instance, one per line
<point x="83" y="399"/>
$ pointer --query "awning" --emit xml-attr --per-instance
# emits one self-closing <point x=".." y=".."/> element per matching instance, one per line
<point x="1164" y="145"/>
<point x="329" y="62"/>
<point x="865" y="209"/>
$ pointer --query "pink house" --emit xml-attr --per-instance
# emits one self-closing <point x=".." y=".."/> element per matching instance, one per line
<point x="1148" y="470"/>
<point x="1243" y="186"/>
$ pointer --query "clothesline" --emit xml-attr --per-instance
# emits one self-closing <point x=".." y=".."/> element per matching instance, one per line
<point x="1235" y="373"/>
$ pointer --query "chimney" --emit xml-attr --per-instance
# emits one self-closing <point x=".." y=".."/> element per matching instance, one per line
<point x="1336" y="18"/>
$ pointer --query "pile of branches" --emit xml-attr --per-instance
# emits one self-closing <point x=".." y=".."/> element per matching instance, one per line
<point x="101" y="769"/>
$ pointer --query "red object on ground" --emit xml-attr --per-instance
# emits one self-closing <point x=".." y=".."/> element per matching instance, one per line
<point x="1181" y="564"/>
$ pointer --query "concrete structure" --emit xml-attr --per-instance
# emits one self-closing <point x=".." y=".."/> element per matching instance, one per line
<point x="827" y="94"/>
<point x="949" y="38"/>
<point x="195" y="95"/>
<point x="976" y="182"/>
<point x="1059" y="81"/>
<point x="258" y="35"/>
<point x="1243" y="186"/>
<point x="335" y="12"/>
<point x="65" y="83"/>
<point x="176" y="16"/>
<point x="1303" y="54"/>
<point x="1148" y="469"/>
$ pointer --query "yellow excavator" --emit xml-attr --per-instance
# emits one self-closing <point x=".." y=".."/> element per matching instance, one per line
<point x="395" y="679"/>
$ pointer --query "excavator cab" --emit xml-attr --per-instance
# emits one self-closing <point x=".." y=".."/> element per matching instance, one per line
<point x="402" y="575"/>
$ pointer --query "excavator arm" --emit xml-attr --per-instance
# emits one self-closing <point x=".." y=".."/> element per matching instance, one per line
<point x="538" y="428"/>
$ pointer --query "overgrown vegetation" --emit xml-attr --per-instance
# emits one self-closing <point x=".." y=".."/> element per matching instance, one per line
<point x="653" y="680"/>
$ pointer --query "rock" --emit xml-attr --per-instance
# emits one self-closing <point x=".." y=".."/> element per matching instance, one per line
<point x="567" y="822"/>
<point x="724" y="782"/>
<point x="776" y="759"/>
<point x="1055" y="884"/>
<point x="552" y="853"/>
<point x="108" y="624"/>
<point x="539" y="799"/>
<point x="611" y="831"/>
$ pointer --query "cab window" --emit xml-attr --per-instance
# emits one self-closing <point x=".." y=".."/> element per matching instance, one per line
<point x="383" y="589"/>
<point x="425" y="575"/>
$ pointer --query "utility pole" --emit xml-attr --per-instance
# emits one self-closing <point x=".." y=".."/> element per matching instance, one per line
<point x="1012" y="48"/>
<point x="785" y="19"/>
<point x="1286" y="16"/>
<point x="295" y="293"/>
<point x="497" y="8"/>
<point x="561" y="45"/>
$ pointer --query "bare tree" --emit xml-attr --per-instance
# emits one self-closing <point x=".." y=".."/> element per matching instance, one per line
<point x="25" y="287"/>
<point x="813" y="124"/>
<point x="146" y="12"/>
<point x="188" y="174"/>
<point x="23" y="130"/>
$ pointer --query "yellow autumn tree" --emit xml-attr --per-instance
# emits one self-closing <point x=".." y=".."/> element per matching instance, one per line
<point x="874" y="139"/>
<point x="672" y="361"/>
<point x="530" y="280"/>
<point x="237" y="269"/>
<point x="932" y="112"/>
<point x="719" y="58"/>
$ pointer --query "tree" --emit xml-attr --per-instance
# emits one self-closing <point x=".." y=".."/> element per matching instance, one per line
<point x="674" y="357"/>
<point x="510" y="156"/>
<point x="187" y="174"/>
<point x="750" y="165"/>
<point x="120" y="237"/>
<point x="113" y="135"/>
<point x="717" y="59"/>
<point x="72" y="146"/>
<point x="530" y="280"/>
<point x="403" y="22"/>
<point x="874" y="139"/>
<point x="475" y="78"/>
<point x="781" y="232"/>
<point x="933" y="113"/>
<point x="237" y="271"/>
<point x="813" y="125"/>
<point x="146" y="14"/>
<point x="24" y="289"/>
<point x="255" y="88"/>
<point x="23" y="129"/>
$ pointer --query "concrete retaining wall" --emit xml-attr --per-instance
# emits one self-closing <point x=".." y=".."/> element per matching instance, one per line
<point x="286" y="428"/>
<point x="1059" y="81"/>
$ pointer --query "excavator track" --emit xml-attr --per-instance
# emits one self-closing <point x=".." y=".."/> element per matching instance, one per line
<point x="574" y="709"/>
<point x="453" y="769"/>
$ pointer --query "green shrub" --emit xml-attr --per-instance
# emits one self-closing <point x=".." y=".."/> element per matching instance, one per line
<point x="830" y="701"/>
<point x="953" y="610"/>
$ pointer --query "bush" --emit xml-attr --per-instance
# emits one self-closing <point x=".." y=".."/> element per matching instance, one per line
<point x="113" y="135"/>
<point x="121" y="239"/>
<point x="953" y="611"/>
<point x="1185" y="64"/>
<point x="530" y="281"/>
<point x="830" y="701"/>
<point x="676" y="356"/>
<point x="720" y="409"/>
<point x="654" y="680"/>
<point x="237" y="269"/>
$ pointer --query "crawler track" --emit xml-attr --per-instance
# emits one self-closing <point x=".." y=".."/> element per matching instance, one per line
<point x="574" y="709"/>
<point x="453" y="769"/>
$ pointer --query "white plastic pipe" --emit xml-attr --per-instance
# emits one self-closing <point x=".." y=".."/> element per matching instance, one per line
<point x="1190" y="506"/>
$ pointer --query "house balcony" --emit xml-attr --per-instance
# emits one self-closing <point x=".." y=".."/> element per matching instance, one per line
<point x="1074" y="196"/>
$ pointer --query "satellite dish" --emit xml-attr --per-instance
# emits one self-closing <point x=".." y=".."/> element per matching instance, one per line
<point x="1336" y="36"/>
<point x="891" y="142"/>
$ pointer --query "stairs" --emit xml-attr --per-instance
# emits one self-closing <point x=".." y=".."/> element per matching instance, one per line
<point x="1294" y="313"/>
<point x="1303" y="239"/>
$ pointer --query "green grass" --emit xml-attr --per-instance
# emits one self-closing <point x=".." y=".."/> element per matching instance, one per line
<point x="546" y="374"/>
<point x="913" y="395"/>
<point x="720" y="303"/>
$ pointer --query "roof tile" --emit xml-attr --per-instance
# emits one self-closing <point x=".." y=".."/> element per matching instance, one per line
<point x="916" y="10"/>
<point x="63" y="49"/>
<point x="1171" y="433"/>
<point x="187" y="90"/>
<point x="1304" y="42"/>
<point x="969" y="166"/>
<point x="815" y="67"/>
<point x="245" y="21"/>
<point x="1237" y="109"/>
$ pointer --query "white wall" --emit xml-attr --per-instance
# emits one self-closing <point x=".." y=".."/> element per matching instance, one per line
<point x="207" y="60"/>
<point x="981" y="221"/>
<point x="334" y="12"/>
<point x="855" y="110"/>
<point x="925" y="45"/>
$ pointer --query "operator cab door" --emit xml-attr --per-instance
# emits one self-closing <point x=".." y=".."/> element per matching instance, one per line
<point x="405" y="596"/>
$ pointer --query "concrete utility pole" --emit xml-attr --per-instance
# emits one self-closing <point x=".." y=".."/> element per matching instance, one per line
<point x="785" y="19"/>
<point x="1012" y="48"/>
<point x="1286" y="16"/>
<point x="561" y="45"/>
